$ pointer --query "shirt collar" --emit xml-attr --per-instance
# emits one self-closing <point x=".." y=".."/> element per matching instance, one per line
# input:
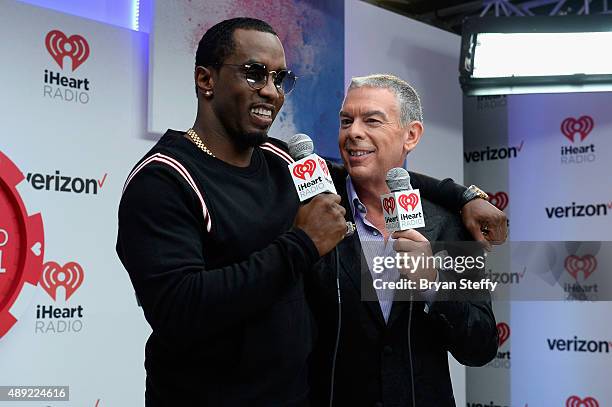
<point x="358" y="209"/>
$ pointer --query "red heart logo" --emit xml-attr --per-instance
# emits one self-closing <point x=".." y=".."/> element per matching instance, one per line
<point x="308" y="168"/>
<point x="575" y="401"/>
<point x="582" y="126"/>
<point x="69" y="276"/>
<point x="499" y="200"/>
<point x="575" y="264"/>
<point x="503" y="332"/>
<point x="323" y="166"/>
<point x="389" y="204"/>
<point x="411" y="200"/>
<point x="59" y="46"/>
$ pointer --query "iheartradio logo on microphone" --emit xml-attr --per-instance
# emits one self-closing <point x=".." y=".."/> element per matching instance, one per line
<point x="73" y="49"/>
<point x="403" y="210"/>
<point x="575" y="401"/>
<point x="576" y="130"/>
<point x="53" y="319"/>
<point x="311" y="177"/>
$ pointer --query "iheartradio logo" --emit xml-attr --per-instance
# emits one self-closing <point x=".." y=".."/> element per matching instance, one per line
<point x="307" y="168"/>
<point x="411" y="200"/>
<point x="389" y="205"/>
<point x="74" y="47"/>
<point x="582" y="126"/>
<point x="575" y="401"/>
<point x="69" y="276"/>
<point x="503" y="332"/>
<point x="499" y="200"/>
<point x="586" y="264"/>
<point x="323" y="166"/>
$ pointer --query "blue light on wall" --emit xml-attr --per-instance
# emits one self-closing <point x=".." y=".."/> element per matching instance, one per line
<point x="136" y="15"/>
<point x="122" y="13"/>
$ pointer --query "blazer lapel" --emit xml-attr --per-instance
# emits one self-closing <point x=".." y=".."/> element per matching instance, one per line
<point x="351" y="261"/>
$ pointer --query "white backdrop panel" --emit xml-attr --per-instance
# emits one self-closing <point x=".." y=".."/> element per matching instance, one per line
<point x="378" y="41"/>
<point x="99" y="141"/>
<point x="557" y="150"/>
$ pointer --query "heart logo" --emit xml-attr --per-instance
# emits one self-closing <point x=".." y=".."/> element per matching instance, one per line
<point x="582" y="126"/>
<point x="69" y="276"/>
<point x="575" y="401"/>
<point x="499" y="200"/>
<point x="59" y="46"/>
<point x="503" y="332"/>
<point x="323" y="166"/>
<point x="411" y="200"/>
<point x="389" y="204"/>
<point x="301" y="170"/>
<point x="37" y="248"/>
<point x="575" y="264"/>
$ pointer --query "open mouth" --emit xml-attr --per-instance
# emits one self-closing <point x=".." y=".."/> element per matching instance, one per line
<point x="262" y="112"/>
<point x="359" y="153"/>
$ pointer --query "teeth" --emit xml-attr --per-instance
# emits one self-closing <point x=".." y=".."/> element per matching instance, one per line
<point x="358" y="153"/>
<point x="262" y="111"/>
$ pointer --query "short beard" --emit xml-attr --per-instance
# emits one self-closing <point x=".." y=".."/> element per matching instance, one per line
<point x="248" y="140"/>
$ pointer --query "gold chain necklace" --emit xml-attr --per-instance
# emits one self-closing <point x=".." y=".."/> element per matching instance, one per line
<point x="198" y="142"/>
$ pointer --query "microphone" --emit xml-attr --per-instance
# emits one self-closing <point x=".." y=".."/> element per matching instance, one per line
<point x="310" y="173"/>
<point x="402" y="207"/>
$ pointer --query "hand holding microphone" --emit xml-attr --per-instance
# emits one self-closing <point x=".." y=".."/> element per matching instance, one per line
<point x="403" y="213"/>
<point x="322" y="217"/>
<point x="323" y="221"/>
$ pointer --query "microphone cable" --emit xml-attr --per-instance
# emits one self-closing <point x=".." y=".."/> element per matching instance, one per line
<point x="339" y="298"/>
<point x="410" y="350"/>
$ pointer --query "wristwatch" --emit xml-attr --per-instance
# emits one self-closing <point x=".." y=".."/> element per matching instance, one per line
<point x="473" y="192"/>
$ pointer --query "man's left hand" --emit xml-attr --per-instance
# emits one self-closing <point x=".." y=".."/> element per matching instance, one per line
<point x="485" y="222"/>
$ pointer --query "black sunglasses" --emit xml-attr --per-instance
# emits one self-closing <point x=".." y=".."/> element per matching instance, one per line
<point x="257" y="75"/>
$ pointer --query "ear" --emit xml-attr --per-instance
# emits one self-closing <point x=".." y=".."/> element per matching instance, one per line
<point x="412" y="135"/>
<point x="204" y="80"/>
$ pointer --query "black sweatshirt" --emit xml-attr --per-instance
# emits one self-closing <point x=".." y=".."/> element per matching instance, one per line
<point x="218" y="270"/>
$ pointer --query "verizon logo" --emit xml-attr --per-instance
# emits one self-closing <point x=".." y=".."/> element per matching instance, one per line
<point x="62" y="183"/>
<point x="579" y="345"/>
<point x="492" y="154"/>
<point x="578" y="211"/>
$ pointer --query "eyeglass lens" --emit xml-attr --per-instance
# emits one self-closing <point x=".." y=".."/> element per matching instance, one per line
<point x="257" y="76"/>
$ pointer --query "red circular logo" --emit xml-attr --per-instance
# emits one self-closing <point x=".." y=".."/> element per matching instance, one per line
<point x="21" y="247"/>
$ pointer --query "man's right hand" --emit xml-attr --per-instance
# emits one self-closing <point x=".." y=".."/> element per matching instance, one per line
<point x="323" y="221"/>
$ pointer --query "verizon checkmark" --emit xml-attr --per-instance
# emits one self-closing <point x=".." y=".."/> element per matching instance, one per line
<point x="101" y="181"/>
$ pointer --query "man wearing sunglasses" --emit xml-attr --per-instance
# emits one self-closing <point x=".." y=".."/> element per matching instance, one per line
<point x="215" y="242"/>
